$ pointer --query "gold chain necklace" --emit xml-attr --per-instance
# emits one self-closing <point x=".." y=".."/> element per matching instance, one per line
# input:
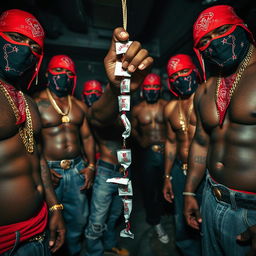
<point x="65" y="118"/>
<point x="184" y="122"/>
<point x="238" y="76"/>
<point x="26" y="130"/>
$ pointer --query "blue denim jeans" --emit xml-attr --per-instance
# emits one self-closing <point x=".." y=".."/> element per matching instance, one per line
<point x="36" y="248"/>
<point x="75" y="201"/>
<point x="187" y="239"/>
<point x="106" y="208"/>
<point x="222" y="221"/>
<point x="152" y="171"/>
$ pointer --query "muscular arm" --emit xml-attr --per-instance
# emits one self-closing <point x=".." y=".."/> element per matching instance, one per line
<point x="197" y="165"/>
<point x="88" y="142"/>
<point x="170" y="154"/>
<point x="56" y="222"/>
<point x="197" y="154"/>
<point x="170" y="149"/>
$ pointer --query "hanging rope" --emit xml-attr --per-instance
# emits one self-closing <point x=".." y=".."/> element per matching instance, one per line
<point x="124" y="154"/>
<point x="124" y="9"/>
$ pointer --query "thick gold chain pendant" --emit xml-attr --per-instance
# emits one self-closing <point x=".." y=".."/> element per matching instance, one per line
<point x="65" y="119"/>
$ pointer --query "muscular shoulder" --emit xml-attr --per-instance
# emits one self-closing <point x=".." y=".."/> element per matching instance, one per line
<point x="137" y="108"/>
<point x="203" y="89"/>
<point x="169" y="108"/>
<point x="80" y="104"/>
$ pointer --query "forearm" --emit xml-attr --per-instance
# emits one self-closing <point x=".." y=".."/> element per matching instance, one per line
<point x="170" y="155"/>
<point x="50" y="195"/>
<point x="197" y="166"/>
<point x="89" y="149"/>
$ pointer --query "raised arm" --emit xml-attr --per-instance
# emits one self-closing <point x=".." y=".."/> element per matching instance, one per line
<point x="197" y="167"/>
<point x="135" y="60"/>
<point x="170" y="154"/>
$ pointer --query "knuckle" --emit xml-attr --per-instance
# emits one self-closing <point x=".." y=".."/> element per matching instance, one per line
<point x="137" y="44"/>
<point x="144" y="52"/>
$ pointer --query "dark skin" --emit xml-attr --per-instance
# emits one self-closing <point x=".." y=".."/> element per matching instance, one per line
<point x="104" y="113"/>
<point x="148" y="125"/>
<point x="24" y="177"/>
<point x="228" y="151"/>
<point x="178" y="142"/>
<point x="66" y="140"/>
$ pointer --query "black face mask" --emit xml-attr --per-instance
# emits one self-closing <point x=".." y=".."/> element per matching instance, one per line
<point x="90" y="99"/>
<point x="185" y="85"/>
<point x="151" y="96"/>
<point x="228" y="51"/>
<point x="61" y="84"/>
<point x="15" y="60"/>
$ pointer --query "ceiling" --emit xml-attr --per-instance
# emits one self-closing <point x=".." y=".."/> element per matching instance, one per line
<point x="83" y="28"/>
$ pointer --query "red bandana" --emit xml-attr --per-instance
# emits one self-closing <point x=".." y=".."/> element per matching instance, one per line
<point x="223" y="94"/>
<point x="19" y="102"/>
<point x="177" y="63"/>
<point x="92" y="85"/>
<point x="152" y="79"/>
<point x="212" y="18"/>
<point x="63" y="61"/>
<point x="208" y="20"/>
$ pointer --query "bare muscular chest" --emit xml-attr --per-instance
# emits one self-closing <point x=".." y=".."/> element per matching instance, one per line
<point x="51" y="118"/>
<point x="241" y="110"/>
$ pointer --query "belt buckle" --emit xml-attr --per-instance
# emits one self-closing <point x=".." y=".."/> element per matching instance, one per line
<point x="39" y="237"/>
<point x="156" y="148"/>
<point x="65" y="164"/>
<point x="217" y="193"/>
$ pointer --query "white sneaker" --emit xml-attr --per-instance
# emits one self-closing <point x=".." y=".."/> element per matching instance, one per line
<point x="162" y="236"/>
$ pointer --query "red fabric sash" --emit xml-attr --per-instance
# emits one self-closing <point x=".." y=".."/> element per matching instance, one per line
<point x="223" y="98"/>
<point x="19" y="102"/>
<point x="27" y="229"/>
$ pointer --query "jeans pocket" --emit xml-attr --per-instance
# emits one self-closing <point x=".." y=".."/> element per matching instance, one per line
<point x="249" y="217"/>
<point x="78" y="168"/>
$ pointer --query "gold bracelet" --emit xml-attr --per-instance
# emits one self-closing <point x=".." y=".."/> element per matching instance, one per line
<point x="167" y="176"/>
<point x="188" y="194"/>
<point x="56" y="207"/>
<point x="91" y="167"/>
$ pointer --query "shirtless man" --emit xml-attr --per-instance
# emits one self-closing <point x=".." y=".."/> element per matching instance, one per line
<point x="25" y="189"/>
<point x="224" y="138"/>
<point x="107" y="127"/>
<point x="66" y="135"/>
<point x="148" y="128"/>
<point x="180" y="120"/>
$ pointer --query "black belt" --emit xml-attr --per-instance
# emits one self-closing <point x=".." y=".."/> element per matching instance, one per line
<point x="65" y="163"/>
<point x="113" y="167"/>
<point x="223" y="194"/>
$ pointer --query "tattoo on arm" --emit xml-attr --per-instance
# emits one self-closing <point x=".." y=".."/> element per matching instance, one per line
<point x="199" y="159"/>
<point x="46" y="178"/>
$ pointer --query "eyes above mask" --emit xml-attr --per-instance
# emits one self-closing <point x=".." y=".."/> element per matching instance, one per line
<point x="15" y="58"/>
<point x="227" y="50"/>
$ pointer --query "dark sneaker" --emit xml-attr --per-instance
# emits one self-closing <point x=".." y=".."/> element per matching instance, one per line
<point x="161" y="234"/>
